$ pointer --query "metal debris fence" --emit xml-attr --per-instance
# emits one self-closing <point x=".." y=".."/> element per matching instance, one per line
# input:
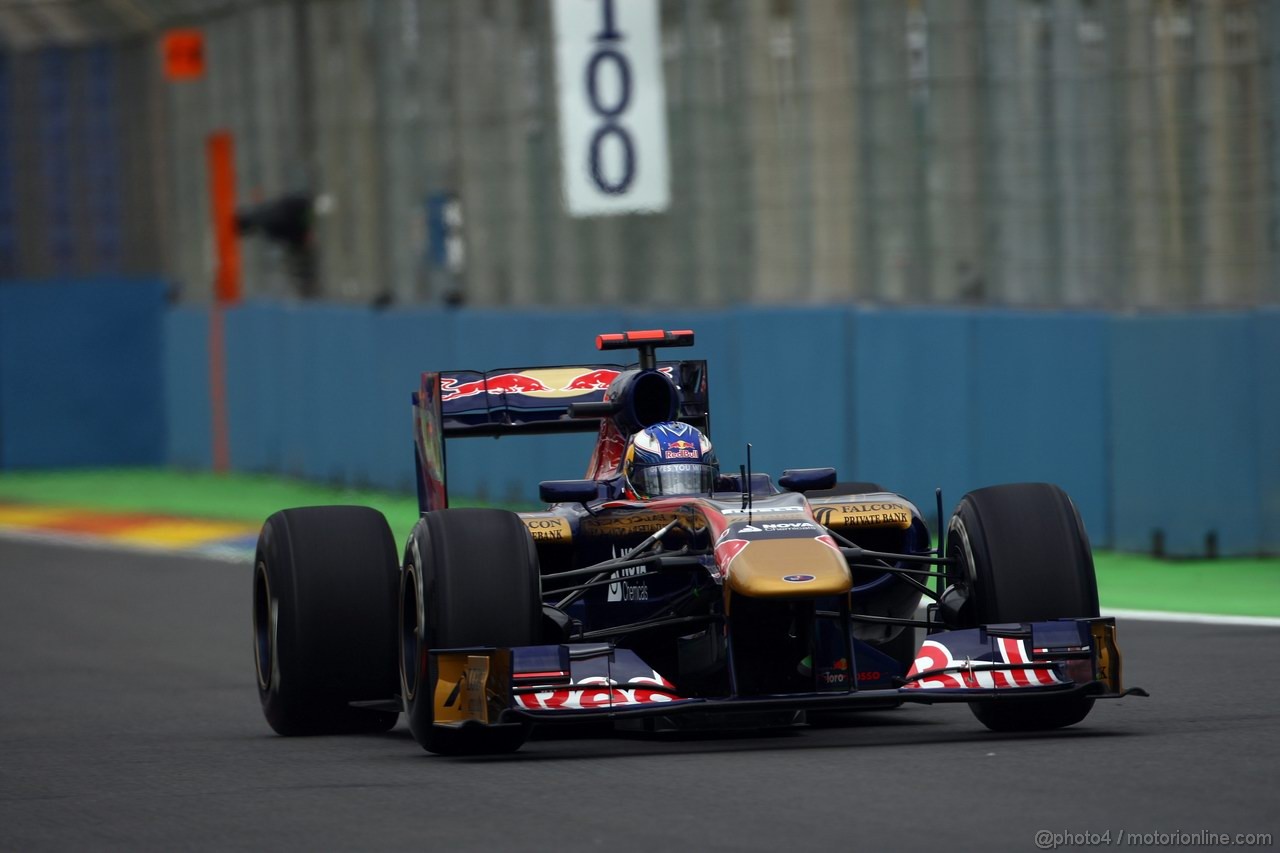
<point x="1047" y="153"/>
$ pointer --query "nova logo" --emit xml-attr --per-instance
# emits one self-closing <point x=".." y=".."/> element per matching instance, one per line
<point x="623" y="590"/>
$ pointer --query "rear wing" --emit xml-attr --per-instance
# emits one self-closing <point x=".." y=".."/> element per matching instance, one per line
<point x="527" y="401"/>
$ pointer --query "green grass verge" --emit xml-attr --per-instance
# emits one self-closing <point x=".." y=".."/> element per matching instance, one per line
<point x="1236" y="587"/>
<point x="235" y="497"/>
<point x="1245" y="587"/>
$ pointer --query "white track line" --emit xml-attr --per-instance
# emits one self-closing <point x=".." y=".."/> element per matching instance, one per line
<point x="1197" y="618"/>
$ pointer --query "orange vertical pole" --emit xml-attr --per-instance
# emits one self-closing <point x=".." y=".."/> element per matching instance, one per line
<point x="222" y="194"/>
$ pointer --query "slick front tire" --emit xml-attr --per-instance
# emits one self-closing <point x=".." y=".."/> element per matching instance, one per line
<point x="470" y="579"/>
<point x="324" y="620"/>
<point x="1021" y="554"/>
<point x="1037" y="714"/>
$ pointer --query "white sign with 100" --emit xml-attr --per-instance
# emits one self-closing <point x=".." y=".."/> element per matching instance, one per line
<point x="613" y="124"/>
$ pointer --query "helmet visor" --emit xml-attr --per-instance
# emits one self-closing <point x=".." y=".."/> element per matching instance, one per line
<point x="677" y="478"/>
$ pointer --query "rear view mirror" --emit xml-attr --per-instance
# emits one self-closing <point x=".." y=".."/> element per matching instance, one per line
<point x="805" y="479"/>
<point x="568" y="491"/>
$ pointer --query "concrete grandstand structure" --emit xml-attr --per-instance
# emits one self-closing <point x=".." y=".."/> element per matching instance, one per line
<point x="1015" y="152"/>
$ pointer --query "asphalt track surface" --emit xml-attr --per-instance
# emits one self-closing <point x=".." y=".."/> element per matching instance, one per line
<point x="129" y="720"/>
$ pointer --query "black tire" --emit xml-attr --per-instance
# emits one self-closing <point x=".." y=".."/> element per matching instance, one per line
<point x="324" y="598"/>
<point x="851" y="488"/>
<point x="470" y="579"/>
<point x="1022" y="555"/>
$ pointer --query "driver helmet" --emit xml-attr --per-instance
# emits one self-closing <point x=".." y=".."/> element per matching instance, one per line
<point x="669" y="458"/>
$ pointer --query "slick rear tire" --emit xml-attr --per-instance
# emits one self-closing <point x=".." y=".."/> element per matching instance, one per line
<point x="324" y="596"/>
<point x="470" y="579"/>
<point x="1021" y="554"/>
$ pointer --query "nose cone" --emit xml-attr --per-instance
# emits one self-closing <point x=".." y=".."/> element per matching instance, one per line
<point x="789" y="568"/>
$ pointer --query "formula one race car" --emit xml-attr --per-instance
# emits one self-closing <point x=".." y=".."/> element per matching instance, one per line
<point x="670" y="594"/>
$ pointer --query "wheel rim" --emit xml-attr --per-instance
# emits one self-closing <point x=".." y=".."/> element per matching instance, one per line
<point x="264" y="626"/>
<point x="960" y="549"/>
<point x="410" y="631"/>
<point x="962" y="573"/>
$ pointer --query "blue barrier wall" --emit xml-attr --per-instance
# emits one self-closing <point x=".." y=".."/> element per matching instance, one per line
<point x="1155" y="424"/>
<point x="1185" y="432"/>
<point x="1039" y="406"/>
<point x="962" y="399"/>
<point x="185" y="378"/>
<point x="1149" y="422"/>
<point x="912" y="424"/>
<point x="80" y="374"/>
<point x="1266" y="382"/>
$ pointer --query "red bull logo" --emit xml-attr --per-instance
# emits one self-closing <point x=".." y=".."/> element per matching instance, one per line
<point x="539" y="382"/>
<point x="680" y="449"/>
<point x="593" y="381"/>
<point x="503" y="383"/>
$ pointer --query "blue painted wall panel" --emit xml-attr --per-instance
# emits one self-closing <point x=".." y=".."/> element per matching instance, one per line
<point x="409" y="342"/>
<point x="1184" y="433"/>
<point x="253" y="412"/>
<point x="1266" y="392"/>
<point x="787" y="377"/>
<point x="186" y="388"/>
<point x="341" y="342"/>
<point x="1149" y="422"/>
<point x="1039" y="406"/>
<point x="80" y="380"/>
<point x="910" y="398"/>
<point x="911" y="390"/>
<point x="327" y="360"/>
<point x="299" y="412"/>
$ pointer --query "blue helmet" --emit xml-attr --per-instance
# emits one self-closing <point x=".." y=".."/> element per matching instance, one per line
<point x="670" y="458"/>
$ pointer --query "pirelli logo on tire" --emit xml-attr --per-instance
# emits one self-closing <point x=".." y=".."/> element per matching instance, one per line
<point x="875" y="514"/>
<point x="548" y="528"/>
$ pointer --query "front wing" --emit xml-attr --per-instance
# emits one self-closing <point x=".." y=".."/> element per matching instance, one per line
<point x="591" y="681"/>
